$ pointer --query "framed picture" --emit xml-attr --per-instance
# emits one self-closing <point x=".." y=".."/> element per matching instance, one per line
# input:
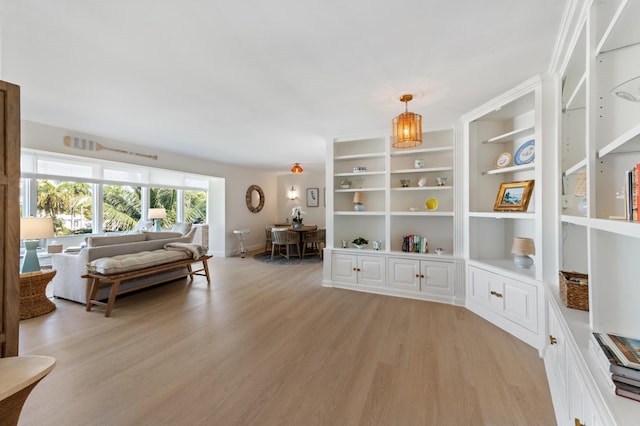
<point x="514" y="196"/>
<point x="312" y="197"/>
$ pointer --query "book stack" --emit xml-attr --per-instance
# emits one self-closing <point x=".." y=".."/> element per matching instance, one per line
<point x="415" y="244"/>
<point x="619" y="358"/>
<point x="632" y="192"/>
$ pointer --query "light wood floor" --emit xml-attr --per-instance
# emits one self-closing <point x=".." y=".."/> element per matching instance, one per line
<point x="268" y="345"/>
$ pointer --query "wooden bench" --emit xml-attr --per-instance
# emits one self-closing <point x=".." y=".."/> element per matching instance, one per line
<point x="114" y="280"/>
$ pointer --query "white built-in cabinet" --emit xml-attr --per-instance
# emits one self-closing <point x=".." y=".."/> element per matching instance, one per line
<point x="499" y="291"/>
<point x="599" y="138"/>
<point x="358" y="269"/>
<point x="390" y="212"/>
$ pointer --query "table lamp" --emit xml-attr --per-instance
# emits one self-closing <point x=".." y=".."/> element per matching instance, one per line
<point x="157" y="215"/>
<point x="522" y="248"/>
<point x="32" y="229"/>
<point x="358" y="201"/>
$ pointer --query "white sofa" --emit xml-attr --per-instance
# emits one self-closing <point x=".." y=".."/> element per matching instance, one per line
<point x="68" y="282"/>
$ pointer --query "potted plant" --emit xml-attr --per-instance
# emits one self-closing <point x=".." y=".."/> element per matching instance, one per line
<point x="296" y="214"/>
<point x="360" y="242"/>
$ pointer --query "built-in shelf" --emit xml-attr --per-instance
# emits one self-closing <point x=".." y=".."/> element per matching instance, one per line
<point x="576" y="167"/>
<point x="621" y="227"/>
<point x="503" y="215"/>
<point x="511" y="136"/>
<point x="422" y="151"/>
<point x="511" y="169"/>
<point x="623" y="30"/>
<point x="423" y="188"/>
<point x="373" y="173"/>
<point x="504" y="267"/>
<point x="629" y="141"/>
<point x="359" y="156"/>
<point x="355" y="213"/>
<point x="423" y="170"/>
<point x="422" y="213"/>
<point x="577" y="99"/>
<point x="359" y="189"/>
<point x="575" y="220"/>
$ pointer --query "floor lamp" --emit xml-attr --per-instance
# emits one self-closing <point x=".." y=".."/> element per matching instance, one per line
<point x="33" y="229"/>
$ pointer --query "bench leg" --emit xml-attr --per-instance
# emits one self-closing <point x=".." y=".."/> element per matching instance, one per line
<point x="112" y="297"/>
<point x="191" y="273"/>
<point x="205" y="265"/>
<point x="92" y="293"/>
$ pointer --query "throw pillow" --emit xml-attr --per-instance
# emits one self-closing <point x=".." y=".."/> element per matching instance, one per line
<point x="182" y="228"/>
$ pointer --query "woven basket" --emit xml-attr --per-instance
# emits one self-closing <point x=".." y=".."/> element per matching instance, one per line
<point x="574" y="290"/>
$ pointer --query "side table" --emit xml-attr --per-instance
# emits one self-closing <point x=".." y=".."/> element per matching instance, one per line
<point x="241" y="233"/>
<point x="33" y="297"/>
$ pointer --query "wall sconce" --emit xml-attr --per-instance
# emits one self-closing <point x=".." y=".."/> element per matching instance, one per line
<point x="157" y="215"/>
<point x="292" y="193"/>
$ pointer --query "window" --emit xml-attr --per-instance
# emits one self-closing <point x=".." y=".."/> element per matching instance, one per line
<point x="101" y="196"/>
<point x="68" y="203"/>
<point x="121" y="207"/>
<point x="195" y="206"/>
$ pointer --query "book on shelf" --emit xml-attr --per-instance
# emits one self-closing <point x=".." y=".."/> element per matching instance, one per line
<point x="626" y="349"/>
<point x="626" y="380"/>
<point x="608" y="361"/>
<point x="628" y="391"/>
<point x="415" y="244"/>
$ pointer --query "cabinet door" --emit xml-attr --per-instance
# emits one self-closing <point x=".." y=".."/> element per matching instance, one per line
<point x="371" y="270"/>
<point x="479" y="286"/>
<point x="519" y="303"/>
<point x="436" y="277"/>
<point x="555" y="360"/>
<point x="404" y="274"/>
<point x="343" y="268"/>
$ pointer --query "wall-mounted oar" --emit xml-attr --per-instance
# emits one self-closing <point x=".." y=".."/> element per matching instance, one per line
<point x="89" y="145"/>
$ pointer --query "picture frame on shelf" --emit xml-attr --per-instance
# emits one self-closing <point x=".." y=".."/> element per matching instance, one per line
<point x="514" y="196"/>
<point x="312" y="197"/>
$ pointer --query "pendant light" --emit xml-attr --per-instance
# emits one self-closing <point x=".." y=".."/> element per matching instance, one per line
<point x="296" y="168"/>
<point x="407" y="127"/>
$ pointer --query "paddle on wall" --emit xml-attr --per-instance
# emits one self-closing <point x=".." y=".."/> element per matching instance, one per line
<point x="89" y="145"/>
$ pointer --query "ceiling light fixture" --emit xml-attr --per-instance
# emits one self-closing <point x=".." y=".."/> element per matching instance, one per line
<point x="296" y="168"/>
<point x="407" y="127"/>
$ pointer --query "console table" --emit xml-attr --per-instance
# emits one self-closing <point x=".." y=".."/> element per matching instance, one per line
<point x="33" y="297"/>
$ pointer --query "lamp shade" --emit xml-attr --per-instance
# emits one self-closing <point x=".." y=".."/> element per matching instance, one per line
<point x="406" y="128"/>
<point x="296" y="168"/>
<point x="580" y="189"/>
<point x="35" y="228"/>
<point x="358" y="197"/>
<point x="523" y="246"/>
<point x="157" y="213"/>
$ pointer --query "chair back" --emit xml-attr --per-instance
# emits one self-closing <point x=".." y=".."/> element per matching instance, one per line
<point x="267" y="232"/>
<point x="278" y="235"/>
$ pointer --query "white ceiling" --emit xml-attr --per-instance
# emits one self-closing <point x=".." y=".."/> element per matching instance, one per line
<point x="265" y="83"/>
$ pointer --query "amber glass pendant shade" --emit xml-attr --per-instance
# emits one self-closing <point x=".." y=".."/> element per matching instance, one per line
<point x="407" y="127"/>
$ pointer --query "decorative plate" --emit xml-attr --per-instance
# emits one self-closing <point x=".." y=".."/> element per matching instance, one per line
<point x="526" y="153"/>
<point x="502" y="160"/>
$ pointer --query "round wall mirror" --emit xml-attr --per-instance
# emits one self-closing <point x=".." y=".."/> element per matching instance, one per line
<point x="255" y="198"/>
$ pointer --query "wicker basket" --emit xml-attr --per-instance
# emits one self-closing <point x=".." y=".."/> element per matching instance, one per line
<point x="574" y="290"/>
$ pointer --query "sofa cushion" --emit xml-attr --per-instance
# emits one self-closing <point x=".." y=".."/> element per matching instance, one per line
<point x="163" y="235"/>
<point x="107" y="240"/>
<point x="182" y="228"/>
<point x="135" y="261"/>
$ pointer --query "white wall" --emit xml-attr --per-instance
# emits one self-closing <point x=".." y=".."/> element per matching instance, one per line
<point x="302" y="181"/>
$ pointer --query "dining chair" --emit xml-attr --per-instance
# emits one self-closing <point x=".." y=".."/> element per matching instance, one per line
<point x="315" y="241"/>
<point x="267" y="234"/>
<point x="281" y="237"/>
